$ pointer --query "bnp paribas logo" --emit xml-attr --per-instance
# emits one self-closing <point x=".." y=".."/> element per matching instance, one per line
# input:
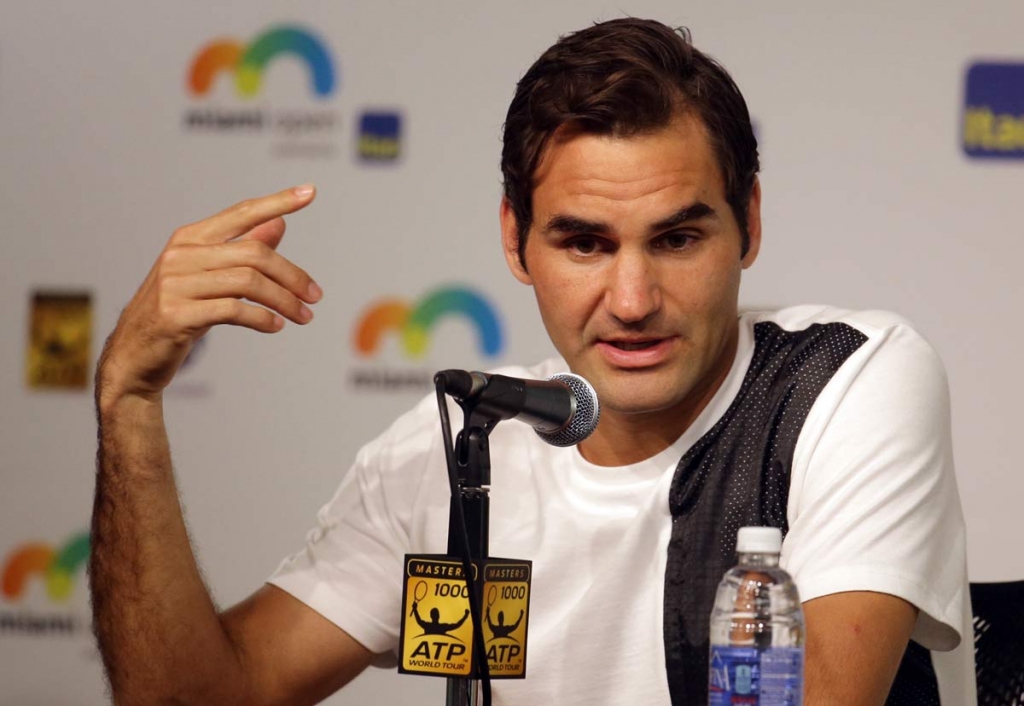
<point x="227" y="82"/>
<point x="410" y="327"/>
<point x="38" y="582"/>
<point x="993" y="126"/>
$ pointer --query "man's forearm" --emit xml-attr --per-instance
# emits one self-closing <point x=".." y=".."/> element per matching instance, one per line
<point x="855" y="641"/>
<point x="157" y="628"/>
<point x="161" y="638"/>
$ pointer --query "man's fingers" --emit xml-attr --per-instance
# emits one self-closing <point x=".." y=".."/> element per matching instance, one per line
<point x="244" y="283"/>
<point x="251" y="253"/>
<point x="269" y="233"/>
<point x="244" y="216"/>
<point x="235" y="312"/>
<point x="200" y="280"/>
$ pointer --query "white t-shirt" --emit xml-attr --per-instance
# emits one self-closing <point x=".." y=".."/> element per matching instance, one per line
<point x="873" y="505"/>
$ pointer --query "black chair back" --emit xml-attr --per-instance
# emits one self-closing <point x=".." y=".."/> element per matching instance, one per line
<point x="999" y="642"/>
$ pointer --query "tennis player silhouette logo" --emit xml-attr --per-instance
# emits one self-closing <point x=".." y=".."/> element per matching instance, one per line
<point x="434" y="626"/>
<point x="500" y="629"/>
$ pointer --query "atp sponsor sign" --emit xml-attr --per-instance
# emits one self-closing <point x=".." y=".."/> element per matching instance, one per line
<point x="413" y="324"/>
<point x="60" y="340"/>
<point x="436" y="634"/>
<point x="57" y="570"/>
<point x="993" y="126"/>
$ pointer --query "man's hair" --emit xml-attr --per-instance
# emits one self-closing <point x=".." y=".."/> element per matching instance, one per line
<point x="623" y="78"/>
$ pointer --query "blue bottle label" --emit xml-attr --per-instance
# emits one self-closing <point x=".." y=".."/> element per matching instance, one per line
<point x="771" y="676"/>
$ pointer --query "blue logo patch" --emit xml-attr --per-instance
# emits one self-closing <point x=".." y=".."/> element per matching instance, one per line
<point x="380" y="137"/>
<point x="994" y="111"/>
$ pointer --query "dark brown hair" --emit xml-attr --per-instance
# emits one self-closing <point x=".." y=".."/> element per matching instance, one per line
<point x="625" y="77"/>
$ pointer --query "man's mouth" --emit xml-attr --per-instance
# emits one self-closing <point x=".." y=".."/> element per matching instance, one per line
<point x="636" y="353"/>
<point x="635" y="345"/>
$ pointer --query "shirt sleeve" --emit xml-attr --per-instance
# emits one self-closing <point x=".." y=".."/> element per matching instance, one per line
<point x="874" y="504"/>
<point x="351" y="567"/>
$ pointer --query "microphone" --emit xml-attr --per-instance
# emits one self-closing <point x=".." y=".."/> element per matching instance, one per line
<point x="563" y="409"/>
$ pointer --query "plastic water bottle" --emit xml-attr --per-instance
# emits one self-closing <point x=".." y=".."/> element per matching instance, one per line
<point x="757" y="628"/>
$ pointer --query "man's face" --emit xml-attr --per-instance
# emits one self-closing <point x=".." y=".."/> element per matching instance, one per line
<point x="635" y="259"/>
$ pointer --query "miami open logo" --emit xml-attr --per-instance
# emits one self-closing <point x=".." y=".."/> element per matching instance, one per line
<point x="302" y="126"/>
<point x="247" y="63"/>
<point x="412" y="323"/>
<point x="57" y="568"/>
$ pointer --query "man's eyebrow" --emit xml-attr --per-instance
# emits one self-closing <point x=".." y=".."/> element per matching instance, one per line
<point x="694" y="212"/>
<point x="562" y="223"/>
<point x="567" y="224"/>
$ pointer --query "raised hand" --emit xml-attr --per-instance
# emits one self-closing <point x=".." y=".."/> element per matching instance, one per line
<point x="221" y="270"/>
<point x="161" y="637"/>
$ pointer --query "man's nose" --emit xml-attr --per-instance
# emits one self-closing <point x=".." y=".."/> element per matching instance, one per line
<point x="633" y="291"/>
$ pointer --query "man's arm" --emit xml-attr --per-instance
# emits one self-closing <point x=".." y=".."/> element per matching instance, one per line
<point x="855" y="641"/>
<point x="461" y="621"/>
<point x="416" y="614"/>
<point x="160" y="635"/>
<point x="876" y="535"/>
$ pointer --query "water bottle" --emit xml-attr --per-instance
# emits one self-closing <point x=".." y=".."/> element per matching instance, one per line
<point x="757" y="628"/>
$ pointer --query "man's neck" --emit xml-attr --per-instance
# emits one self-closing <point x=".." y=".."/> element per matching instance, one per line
<point x="622" y="439"/>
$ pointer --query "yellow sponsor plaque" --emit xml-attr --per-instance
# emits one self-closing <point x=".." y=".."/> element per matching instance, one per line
<point x="60" y="339"/>
<point x="437" y="631"/>
<point x="506" y="609"/>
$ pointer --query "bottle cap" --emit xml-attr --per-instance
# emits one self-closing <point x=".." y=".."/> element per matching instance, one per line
<point x="759" y="540"/>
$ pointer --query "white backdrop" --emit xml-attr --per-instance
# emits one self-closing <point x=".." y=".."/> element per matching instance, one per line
<point x="869" y="201"/>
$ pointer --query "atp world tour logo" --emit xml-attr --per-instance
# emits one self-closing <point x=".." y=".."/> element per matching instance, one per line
<point x="412" y="324"/>
<point x="221" y="110"/>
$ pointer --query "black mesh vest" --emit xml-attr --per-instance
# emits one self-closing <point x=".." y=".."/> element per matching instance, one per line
<point x="738" y="475"/>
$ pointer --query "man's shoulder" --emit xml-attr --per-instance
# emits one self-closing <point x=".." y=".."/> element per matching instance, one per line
<point x="797" y="318"/>
<point x="890" y="340"/>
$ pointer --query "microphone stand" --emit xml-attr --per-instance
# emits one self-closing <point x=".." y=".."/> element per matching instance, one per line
<point x="553" y="416"/>
<point x="472" y="452"/>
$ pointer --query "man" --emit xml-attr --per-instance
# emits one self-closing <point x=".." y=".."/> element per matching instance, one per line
<point x="631" y="207"/>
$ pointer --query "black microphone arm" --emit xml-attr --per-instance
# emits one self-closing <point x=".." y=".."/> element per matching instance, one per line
<point x="563" y="409"/>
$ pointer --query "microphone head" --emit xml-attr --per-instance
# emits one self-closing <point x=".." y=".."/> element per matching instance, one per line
<point x="585" y="416"/>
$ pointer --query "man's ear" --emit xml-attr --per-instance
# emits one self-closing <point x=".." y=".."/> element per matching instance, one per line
<point x="753" y="225"/>
<point x="510" y="242"/>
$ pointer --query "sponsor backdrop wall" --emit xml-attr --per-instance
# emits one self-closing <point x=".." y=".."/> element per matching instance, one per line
<point x="891" y="137"/>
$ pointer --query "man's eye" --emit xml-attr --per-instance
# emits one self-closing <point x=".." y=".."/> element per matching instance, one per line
<point x="583" y="246"/>
<point x="676" y="241"/>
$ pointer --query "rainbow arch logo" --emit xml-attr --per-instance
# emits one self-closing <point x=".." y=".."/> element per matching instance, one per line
<point x="57" y="567"/>
<point x="249" y="62"/>
<point x="415" y="321"/>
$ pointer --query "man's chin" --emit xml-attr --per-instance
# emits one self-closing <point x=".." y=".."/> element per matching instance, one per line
<point x="635" y="402"/>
